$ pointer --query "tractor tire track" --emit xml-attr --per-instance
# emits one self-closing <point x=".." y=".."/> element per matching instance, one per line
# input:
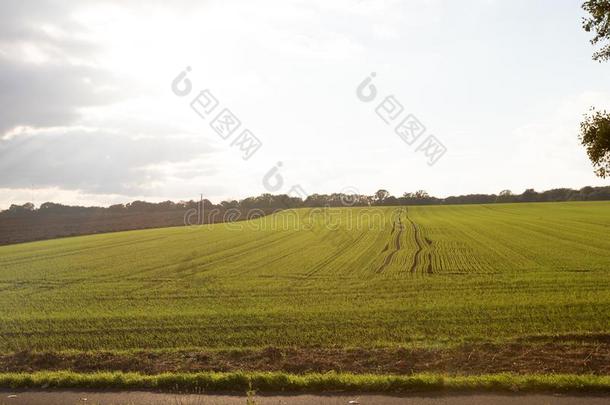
<point x="396" y="239"/>
<point x="419" y="249"/>
<point x="429" y="242"/>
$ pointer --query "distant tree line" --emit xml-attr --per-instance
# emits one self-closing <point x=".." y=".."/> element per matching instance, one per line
<point x="270" y="202"/>
<point x="23" y="223"/>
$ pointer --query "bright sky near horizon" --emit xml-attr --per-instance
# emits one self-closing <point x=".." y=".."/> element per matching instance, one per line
<point x="88" y="115"/>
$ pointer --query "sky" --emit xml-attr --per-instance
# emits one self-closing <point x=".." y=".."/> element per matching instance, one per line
<point x="93" y="110"/>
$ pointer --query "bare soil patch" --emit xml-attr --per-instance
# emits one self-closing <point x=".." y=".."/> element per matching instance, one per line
<point x="550" y="357"/>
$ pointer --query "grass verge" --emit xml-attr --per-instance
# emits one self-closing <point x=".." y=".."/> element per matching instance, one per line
<point x="313" y="382"/>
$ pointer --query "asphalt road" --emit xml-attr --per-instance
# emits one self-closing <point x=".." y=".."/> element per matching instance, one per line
<point x="149" y="398"/>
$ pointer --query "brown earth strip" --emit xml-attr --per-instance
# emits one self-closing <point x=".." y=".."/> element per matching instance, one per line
<point x="514" y="357"/>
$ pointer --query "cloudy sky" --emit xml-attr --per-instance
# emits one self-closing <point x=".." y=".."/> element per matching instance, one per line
<point x="88" y="114"/>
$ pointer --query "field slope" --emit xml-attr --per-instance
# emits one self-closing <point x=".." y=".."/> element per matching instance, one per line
<point x="401" y="281"/>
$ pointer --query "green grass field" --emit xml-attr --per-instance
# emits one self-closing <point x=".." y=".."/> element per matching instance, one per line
<point x="352" y="277"/>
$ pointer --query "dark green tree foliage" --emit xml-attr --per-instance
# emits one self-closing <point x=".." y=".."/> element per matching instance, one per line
<point x="595" y="129"/>
<point x="270" y="203"/>
<point x="595" y="136"/>
<point x="598" y="22"/>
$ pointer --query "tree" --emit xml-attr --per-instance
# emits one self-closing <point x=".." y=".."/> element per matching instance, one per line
<point x="599" y="23"/>
<point x="381" y="195"/>
<point x="505" y="196"/>
<point x="21" y="209"/>
<point x="595" y="130"/>
<point x="529" y="195"/>
<point x="116" y="208"/>
<point x="595" y="137"/>
<point x="421" y="194"/>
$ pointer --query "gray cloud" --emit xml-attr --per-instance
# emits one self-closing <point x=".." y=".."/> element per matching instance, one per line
<point x="48" y="93"/>
<point x="21" y="18"/>
<point x="97" y="162"/>
<point x="135" y="160"/>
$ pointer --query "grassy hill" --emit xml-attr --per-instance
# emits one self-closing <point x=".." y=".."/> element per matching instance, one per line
<point x="351" y="277"/>
<point x="449" y="290"/>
